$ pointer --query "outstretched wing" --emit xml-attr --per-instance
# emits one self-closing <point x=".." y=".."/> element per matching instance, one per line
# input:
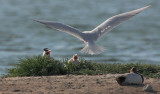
<point x="114" y="21"/>
<point x="63" y="28"/>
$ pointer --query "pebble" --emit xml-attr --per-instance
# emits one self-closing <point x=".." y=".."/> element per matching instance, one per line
<point x="148" y="88"/>
<point x="16" y="90"/>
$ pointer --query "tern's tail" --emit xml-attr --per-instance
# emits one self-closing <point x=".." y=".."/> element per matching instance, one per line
<point x="92" y="49"/>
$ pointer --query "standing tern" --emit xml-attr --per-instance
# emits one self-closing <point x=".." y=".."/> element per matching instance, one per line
<point x="89" y="37"/>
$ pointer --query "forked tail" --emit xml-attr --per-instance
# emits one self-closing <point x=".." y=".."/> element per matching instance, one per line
<point x="92" y="49"/>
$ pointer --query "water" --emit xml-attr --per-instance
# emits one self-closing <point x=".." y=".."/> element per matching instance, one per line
<point x="136" y="40"/>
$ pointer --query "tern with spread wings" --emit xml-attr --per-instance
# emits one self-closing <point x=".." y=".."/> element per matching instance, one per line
<point x="89" y="37"/>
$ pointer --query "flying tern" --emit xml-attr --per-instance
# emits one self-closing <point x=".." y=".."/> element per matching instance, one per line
<point x="89" y="37"/>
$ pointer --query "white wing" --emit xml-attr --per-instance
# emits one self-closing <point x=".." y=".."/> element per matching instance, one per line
<point x="114" y="21"/>
<point x="63" y="28"/>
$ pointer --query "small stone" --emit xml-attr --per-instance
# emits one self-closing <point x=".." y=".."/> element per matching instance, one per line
<point x="16" y="90"/>
<point x="148" y="88"/>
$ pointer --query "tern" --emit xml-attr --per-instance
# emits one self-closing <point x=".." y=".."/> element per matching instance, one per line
<point x="74" y="60"/>
<point x="89" y="37"/>
<point x="46" y="52"/>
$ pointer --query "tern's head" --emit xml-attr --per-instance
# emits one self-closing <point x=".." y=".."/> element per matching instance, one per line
<point x="47" y="51"/>
<point x="75" y="57"/>
<point x="133" y="69"/>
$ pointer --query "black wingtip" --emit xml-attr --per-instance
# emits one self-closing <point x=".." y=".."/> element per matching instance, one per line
<point x="39" y="21"/>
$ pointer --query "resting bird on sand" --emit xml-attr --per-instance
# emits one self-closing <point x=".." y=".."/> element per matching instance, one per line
<point x="130" y="78"/>
<point x="74" y="60"/>
<point x="46" y="52"/>
<point x="89" y="37"/>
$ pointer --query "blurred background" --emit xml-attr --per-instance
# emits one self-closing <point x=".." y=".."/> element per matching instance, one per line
<point x="137" y="40"/>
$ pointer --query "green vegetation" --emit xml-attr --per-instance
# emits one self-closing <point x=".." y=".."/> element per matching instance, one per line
<point x="45" y="66"/>
<point x="36" y="66"/>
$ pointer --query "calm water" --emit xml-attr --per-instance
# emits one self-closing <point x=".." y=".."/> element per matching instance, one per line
<point x="137" y="40"/>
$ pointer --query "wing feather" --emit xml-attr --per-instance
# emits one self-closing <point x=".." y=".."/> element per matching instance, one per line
<point x="62" y="27"/>
<point x="116" y="20"/>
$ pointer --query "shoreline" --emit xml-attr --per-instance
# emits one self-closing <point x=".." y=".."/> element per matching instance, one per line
<point x="73" y="84"/>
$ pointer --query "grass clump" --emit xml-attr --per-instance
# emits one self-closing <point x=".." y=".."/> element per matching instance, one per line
<point x="45" y="66"/>
<point x="85" y="67"/>
<point x="37" y="66"/>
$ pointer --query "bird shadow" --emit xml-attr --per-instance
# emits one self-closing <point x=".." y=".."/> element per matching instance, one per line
<point x="135" y="85"/>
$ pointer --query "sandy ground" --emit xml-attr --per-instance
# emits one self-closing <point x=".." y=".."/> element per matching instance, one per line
<point x="73" y="84"/>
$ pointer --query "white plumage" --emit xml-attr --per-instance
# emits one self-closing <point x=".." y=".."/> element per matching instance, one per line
<point x="89" y="37"/>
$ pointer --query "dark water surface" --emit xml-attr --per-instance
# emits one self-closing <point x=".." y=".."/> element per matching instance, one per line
<point x="137" y="40"/>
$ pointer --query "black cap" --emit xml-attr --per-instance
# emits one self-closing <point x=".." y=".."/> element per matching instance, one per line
<point x="45" y="49"/>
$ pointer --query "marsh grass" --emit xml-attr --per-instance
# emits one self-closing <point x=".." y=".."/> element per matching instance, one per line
<point x="45" y="66"/>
